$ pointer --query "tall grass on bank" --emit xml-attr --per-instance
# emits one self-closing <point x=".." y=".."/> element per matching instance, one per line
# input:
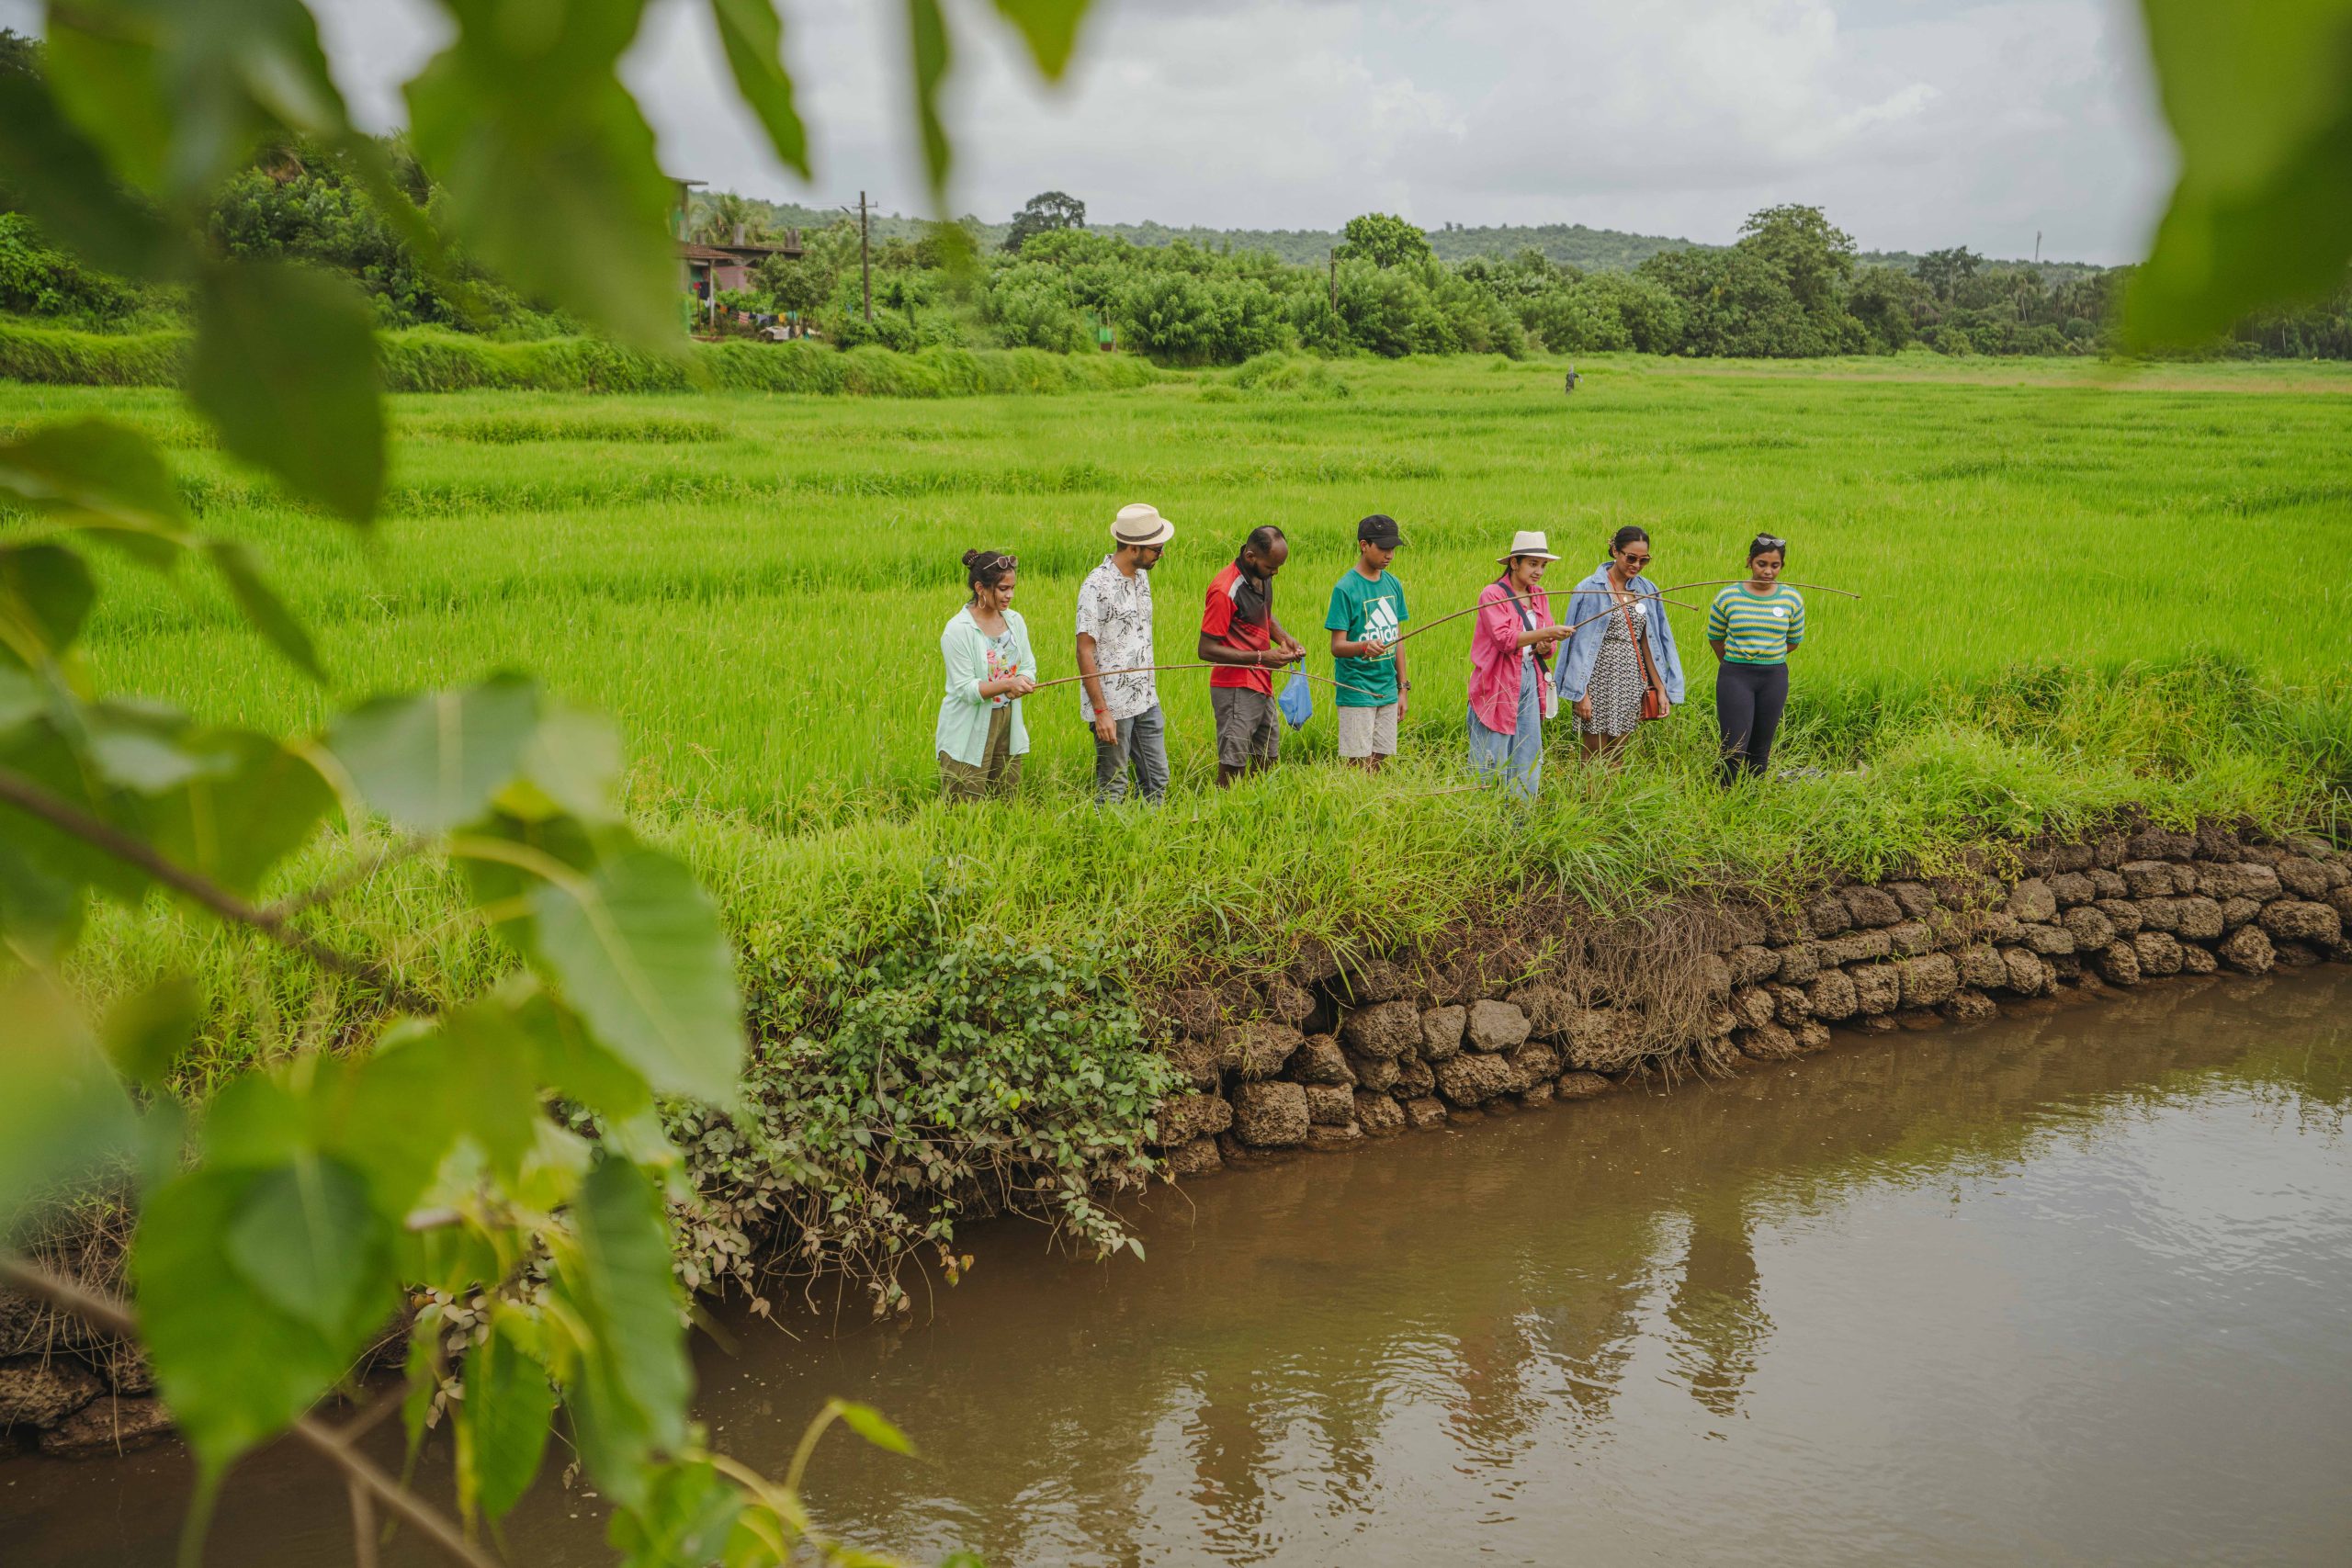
<point x="425" y="359"/>
<point x="2075" y="596"/>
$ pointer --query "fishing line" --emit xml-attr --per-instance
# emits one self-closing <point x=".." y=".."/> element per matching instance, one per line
<point x="1728" y="582"/>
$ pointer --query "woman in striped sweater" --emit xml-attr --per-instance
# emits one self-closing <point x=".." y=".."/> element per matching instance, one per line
<point x="1752" y="628"/>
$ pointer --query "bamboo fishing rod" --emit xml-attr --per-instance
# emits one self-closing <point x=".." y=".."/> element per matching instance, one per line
<point x="1157" y="668"/>
<point x="1516" y="598"/>
<point x="1662" y="592"/>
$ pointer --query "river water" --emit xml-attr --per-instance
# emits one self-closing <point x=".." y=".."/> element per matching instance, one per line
<point x="2070" y="1287"/>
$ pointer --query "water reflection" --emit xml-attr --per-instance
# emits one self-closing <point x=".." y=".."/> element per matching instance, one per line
<point x="2066" y="1286"/>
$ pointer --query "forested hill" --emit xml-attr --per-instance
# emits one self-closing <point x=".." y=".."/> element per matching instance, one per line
<point x="1568" y="244"/>
<point x="1565" y="244"/>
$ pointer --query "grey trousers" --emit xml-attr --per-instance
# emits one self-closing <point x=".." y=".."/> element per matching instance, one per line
<point x="1143" y="746"/>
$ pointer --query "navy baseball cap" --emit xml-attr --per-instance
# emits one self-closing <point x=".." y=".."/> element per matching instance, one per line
<point x="1379" y="529"/>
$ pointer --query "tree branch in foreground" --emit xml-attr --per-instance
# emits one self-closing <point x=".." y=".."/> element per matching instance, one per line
<point x="25" y="796"/>
<point x="368" y="1482"/>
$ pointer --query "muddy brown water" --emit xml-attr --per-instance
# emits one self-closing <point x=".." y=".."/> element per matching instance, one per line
<point x="2072" y="1287"/>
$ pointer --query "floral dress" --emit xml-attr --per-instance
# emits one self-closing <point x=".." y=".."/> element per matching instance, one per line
<point x="1616" y="689"/>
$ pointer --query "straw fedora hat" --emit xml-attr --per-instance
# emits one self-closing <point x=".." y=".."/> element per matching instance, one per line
<point x="1141" y="525"/>
<point x="1528" y="542"/>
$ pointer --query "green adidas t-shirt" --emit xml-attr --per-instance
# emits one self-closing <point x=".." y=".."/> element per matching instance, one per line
<point x="1362" y="610"/>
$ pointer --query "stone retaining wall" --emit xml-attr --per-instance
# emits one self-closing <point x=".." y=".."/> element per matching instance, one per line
<point x="1324" y="1059"/>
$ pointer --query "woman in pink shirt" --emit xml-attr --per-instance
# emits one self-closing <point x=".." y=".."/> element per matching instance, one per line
<point x="1509" y="679"/>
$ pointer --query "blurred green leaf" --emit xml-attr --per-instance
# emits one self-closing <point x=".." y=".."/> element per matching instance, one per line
<point x="2260" y="100"/>
<point x="63" y="180"/>
<point x="182" y="92"/>
<point x="568" y="1059"/>
<point x="548" y="164"/>
<point x="149" y="750"/>
<point x="636" y="948"/>
<point x="1049" y="28"/>
<point x="285" y="365"/>
<point x="689" y="1516"/>
<point x="40" y="914"/>
<point x="574" y="759"/>
<point x="108" y="76"/>
<point x="874" y="1426"/>
<point x="422" y="1371"/>
<point x="256" y="803"/>
<point x="41" y="756"/>
<point x="64" y="1115"/>
<point x="628" y="1399"/>
<point x="753" y="34"/>
<point x="433" y="760"/>
<point x="148" y="1030"/>
<point x="927" y="35"/>
<point x="468" y="1077"/>
<point x="45" y="595"/>
<point x="502" y="1425"/>
<point x="264" y="611"/>
<point x="304" y="1237"/>
<point x="100" y="470"/>
<point x="235" y="1367"/>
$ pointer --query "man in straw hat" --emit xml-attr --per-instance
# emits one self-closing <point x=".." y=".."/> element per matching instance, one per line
<point x="1114" y="635"/>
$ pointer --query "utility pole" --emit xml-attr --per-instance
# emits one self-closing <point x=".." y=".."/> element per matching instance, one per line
<point x="2037" y="247"/>
<point x="1333" y="257"/>
<point x="866" y="256"/>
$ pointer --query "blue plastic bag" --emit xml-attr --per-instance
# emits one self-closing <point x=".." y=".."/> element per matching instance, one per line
<point x="1297" y="700"/>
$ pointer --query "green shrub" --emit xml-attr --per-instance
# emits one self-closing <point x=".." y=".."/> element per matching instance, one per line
<point x="943" y="1073"/>
<point x="429" y="359"/>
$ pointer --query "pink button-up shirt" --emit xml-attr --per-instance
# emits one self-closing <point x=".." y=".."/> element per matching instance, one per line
<point x="1494" y="655"/>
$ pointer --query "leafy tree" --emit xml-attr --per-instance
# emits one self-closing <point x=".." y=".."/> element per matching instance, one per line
<point x="1894" y="306"/>
<point x="1815" y="258"/>
<point x="1736" y="303"/>
<point x="1946" y="272"/>
<point x="1384" y="241"/>
<point x="1044" y="213"/>
<point x="717" y="217"/>
<point x="797" y="284"/>
<point x="1812" y="254"/>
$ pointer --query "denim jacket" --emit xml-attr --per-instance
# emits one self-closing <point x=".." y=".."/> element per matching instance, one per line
<point x="1591" y="597"/>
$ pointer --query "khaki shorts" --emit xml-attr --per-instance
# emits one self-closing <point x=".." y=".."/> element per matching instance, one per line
<point x="1249" y="726"/>
<point x="1368" y="732"/>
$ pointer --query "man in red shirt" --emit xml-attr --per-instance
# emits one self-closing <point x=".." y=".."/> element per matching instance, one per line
<point x="1239" y="634"/>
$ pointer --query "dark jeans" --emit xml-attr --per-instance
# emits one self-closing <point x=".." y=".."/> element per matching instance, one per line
<point x="1142" y="744"/>
<point x="1748" y="701"/>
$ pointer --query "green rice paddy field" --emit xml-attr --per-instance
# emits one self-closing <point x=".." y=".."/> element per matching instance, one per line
<point x="2081" y="587"/>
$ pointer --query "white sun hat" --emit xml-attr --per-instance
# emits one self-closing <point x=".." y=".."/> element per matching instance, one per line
<point x="1141" y="525"/>
<point x="1529" y="542"/>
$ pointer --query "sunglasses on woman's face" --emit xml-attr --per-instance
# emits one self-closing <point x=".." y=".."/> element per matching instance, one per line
<point x="1636" y="561"/>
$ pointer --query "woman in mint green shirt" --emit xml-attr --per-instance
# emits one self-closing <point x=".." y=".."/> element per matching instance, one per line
<point x="990" y="669"/>
<point x="1752" y="628"/>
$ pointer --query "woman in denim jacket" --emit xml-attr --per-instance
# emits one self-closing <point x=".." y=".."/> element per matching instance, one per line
<point x="1600" y="677"/>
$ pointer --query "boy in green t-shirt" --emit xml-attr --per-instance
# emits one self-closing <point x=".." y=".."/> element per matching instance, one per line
<point x="1366" y="616"/>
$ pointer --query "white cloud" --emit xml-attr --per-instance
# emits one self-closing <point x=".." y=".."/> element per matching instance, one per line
<point x="1916" y="122"/>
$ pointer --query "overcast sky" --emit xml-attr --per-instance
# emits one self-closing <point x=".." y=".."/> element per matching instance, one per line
<point x="1917" y="123"/>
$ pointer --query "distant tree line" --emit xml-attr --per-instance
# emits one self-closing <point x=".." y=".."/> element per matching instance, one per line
<point x="1791" y="285"/>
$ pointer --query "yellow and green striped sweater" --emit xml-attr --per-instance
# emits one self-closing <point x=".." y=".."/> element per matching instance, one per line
<point x="1756" y="628"/>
